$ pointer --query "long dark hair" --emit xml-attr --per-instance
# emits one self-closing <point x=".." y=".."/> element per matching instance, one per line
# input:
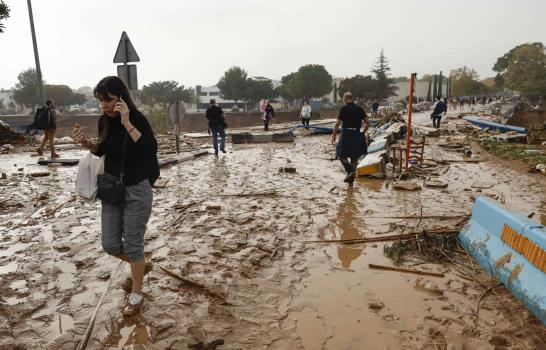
<point x="113" y="85"/>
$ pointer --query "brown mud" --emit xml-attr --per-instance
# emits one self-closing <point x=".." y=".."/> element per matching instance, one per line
<point x="237" y="226"/>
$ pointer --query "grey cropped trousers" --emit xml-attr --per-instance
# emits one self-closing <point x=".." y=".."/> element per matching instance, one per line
<point x="123" y="227"/>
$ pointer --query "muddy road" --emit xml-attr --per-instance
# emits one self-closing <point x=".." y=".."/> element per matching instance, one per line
<point x="238" y="227"/>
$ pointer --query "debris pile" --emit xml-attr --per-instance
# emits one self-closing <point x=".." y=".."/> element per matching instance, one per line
<point x="9" y="135"/>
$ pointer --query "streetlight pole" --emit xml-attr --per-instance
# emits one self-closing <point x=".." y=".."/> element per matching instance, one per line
<point x="36" y="57"/>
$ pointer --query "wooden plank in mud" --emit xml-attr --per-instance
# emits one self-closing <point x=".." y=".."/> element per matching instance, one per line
<point x="250" y="138"/>
<point x="259" y="138"/>
<point x="288" y="137"/>
<point x="167" y="162"/>
<point x="62" y="161"/>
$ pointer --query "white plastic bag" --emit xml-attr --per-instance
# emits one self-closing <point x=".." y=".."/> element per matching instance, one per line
<point x="86" y="182"/>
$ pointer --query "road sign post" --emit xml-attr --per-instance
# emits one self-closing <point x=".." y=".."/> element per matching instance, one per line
<point x="177" y="113"/>
<point x="126" y="53"/>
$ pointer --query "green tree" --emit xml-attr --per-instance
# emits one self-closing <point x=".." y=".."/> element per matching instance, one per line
<point x="62" y="95"/>
<point x="233" y="85"/>
<point x="363" y="88"/>
<point x="385" y="85"/>
<point x="255" y="90"/>
<point x="25" y="92"/>
<point x="465" y="82"/>
<point x="282" y="89"/>
<point x="523" y="69"/>
<point x="312" y="80"/>
<point x="165" y="92"/>
<point x="400" y="79"/>
<point x="505" y="60"/>
<point x="4" y="14"/>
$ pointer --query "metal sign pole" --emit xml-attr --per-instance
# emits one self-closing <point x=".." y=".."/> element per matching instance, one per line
<point x="410" y="110"/>
<point x="177" y="128"/>
<point x="36" y="57"/>
<point x="125" y="64"/>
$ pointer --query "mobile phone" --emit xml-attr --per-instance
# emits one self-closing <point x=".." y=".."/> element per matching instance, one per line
<point x="117" y="100"/>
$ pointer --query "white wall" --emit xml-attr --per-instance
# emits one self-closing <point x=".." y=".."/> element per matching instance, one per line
<point x="421" y="89"/>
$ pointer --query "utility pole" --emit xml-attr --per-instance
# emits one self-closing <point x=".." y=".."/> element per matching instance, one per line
<point x="36" y="57"/>
<point x="410" y="111"/>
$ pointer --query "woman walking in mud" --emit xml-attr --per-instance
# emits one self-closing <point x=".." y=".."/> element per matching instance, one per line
<point x="129" y="147"/>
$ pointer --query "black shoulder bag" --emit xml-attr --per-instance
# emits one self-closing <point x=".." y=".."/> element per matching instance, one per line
<point x="110" y="188"/>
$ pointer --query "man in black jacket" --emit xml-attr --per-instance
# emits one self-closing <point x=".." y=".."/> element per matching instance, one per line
<point x="217" y="125"/>
<point x="439" y="109"/>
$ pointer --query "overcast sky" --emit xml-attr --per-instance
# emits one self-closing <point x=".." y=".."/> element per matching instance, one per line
<point x="195" y="41"/>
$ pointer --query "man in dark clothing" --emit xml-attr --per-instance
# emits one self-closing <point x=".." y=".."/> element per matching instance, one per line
<point x="352" y="143"/>
<point x="440" y="108"/>
<point x="49" y="132"/>
<point x="268" y="114"/>
<point x="217" y="125"/>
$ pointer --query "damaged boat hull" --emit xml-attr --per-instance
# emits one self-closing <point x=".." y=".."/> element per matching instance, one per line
<point x="512" y="249"/>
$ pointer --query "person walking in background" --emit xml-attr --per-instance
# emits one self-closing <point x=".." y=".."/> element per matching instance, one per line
<point x="49" y="132"/>
<point x="217" y="125"/>
<point x="438" y="109"/>
<point x="269" y="113"/>
<point x="375" y="108"/>
<point x="129" y="147"/>
<point x="305" y="114"/>
<point x="352" y="142"/>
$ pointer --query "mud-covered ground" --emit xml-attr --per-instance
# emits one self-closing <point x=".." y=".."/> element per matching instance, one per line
<point x="237" y="226"/>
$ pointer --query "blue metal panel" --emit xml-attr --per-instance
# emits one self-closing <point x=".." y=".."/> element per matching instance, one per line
<point x="485" y="124"/>
<point x="482" y="238"/>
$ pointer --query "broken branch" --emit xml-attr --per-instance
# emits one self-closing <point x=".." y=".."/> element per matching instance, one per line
<point x="411" y="235"/>
<point x="398" y="269"/>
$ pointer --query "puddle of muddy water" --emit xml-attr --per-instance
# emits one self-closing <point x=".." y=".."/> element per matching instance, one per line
<point x="13" y="248"/>
<point x="67" y="275"/>
<point x="133" y="335"/>
<point x="340" y="318"/>
<point x="50" y="321"/>
<point x="20" y="284"/>
<point x="8" y="268"/>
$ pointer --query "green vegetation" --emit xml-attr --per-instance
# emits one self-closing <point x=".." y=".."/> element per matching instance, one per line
<point x="26" y="90"/>
<point x="237" y="86"/>
<point x="514" y="151"/>
<point x="363" y="88"/>
<point x="159" y="120"/>
<point x="465" y="82"/>
<point x="4" y="14"/>
<point x="367" y="88"/>
<point x="523" y="69"/>
<point x="312" y="80"/>
<point x="62" y="95"/>
<point x="165" y="92"/>
<point x="385" y="86"/>
<point x="395" y="251"/>
<point x="435" y="248"/>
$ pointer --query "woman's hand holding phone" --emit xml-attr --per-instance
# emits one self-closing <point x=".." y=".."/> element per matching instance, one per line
<point x="123" y="110"/>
